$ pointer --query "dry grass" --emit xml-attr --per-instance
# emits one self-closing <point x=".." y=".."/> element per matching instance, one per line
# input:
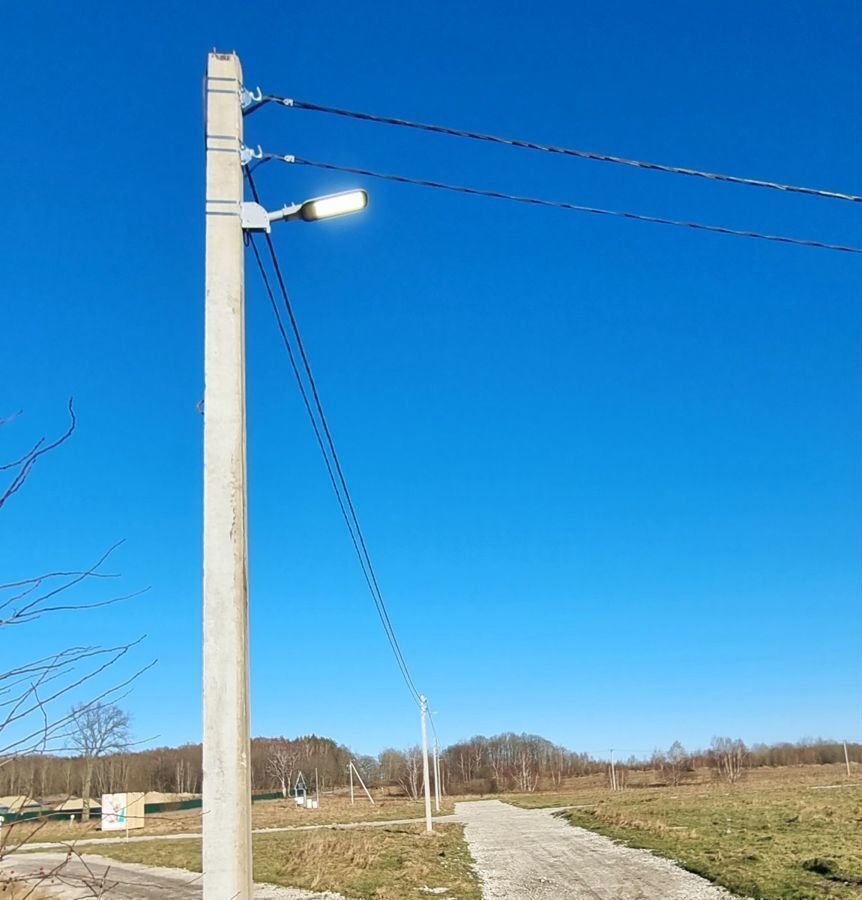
<point x="265" y="814"/>
<point x="382" y="863"/>
<point x="783" y="834"/>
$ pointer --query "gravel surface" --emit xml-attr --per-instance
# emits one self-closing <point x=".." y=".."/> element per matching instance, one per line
<point x="529" y="854"/>
<point x="129" y="881"/>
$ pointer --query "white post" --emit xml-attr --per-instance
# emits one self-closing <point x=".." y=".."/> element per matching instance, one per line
<point x="350" y="773"/>
<point x="436" y="776"/>
<point x="423" y="705"/>
<point x="846" y="759"/>
<point x="613" y="772"/>
<point x="226" y="748"/>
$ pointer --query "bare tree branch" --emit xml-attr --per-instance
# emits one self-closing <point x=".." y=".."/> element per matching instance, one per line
<point x="25" y="464"/>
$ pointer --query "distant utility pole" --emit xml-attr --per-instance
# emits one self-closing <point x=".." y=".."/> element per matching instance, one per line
<point x="436" y="774"/>
<point x="613" y="772"/>
<point x="423" y="705"/>
<point x="846" y="758"/>
<point x="350" y="773"/>
<point x="226" y="748"/>
<point x="353" y="770"/>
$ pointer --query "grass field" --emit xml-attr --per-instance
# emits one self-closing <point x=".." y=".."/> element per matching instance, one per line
<point x="778" y="834"/>
<point x="382" y="863"/>
<point x="266" y="814"/>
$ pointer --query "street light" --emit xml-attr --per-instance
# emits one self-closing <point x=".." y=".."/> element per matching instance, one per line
<point x="256" y="218"/>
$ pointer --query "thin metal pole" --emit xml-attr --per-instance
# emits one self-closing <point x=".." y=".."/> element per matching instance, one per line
<point x="226" y="746"/>
<point x="423" y="705"/>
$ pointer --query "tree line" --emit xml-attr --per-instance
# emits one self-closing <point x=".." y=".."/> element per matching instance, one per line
<point x="480" y="765"/>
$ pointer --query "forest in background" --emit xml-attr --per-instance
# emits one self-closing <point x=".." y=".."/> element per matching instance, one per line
<point x="479" y="765"/>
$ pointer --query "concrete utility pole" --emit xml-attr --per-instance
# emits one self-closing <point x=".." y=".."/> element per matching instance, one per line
<point x="613" y="772"/>
<point x="846" y="759"/>
<point x="423" y="706"/>
<point x="226" y="748"/>
<point x="436" y="775"/>
<point x="350" y="773"/>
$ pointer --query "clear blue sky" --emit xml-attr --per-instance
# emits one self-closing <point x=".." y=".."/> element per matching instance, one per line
<point x="609" y="472"/>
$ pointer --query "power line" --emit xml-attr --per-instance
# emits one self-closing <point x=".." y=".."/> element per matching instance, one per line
<point x="560" y="151"/>
<point x="336" y="476"/>
<point x="560" y="204"/>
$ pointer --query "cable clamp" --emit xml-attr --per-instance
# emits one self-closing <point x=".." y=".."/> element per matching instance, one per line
<point x="246" y="154"/>
<point x="289" y="159"/>
<point x="248" y="98"/>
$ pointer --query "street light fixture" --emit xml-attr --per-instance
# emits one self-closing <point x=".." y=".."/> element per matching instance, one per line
<point x="256" y="218"/>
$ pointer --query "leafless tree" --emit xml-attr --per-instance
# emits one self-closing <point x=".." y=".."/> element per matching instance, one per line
<point x="31" y="692"/>
<point x="526" y="773"/>
<point x="281" y="764"/>
<point x="729" y="756"/>
<point x="409" y="773"/>
<point x="677" y="762"/>
<point x="95" y="731"/>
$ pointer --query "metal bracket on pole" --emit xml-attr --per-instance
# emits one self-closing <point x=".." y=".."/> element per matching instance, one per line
<point x="246" y="154"/>
<point x="254" y="217"/>
<point x="248" y="98"/>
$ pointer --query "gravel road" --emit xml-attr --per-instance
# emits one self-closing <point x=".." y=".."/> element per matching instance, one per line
<point x="529" y="854"/>
<point x="129" y="881"/>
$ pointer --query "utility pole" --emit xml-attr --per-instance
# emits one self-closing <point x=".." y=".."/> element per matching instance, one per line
<point x="226" y="748"/>
<point x="364" y="786"/>
<point x="350" y="773"/>
<point x="436" y="774"/>
<point x="846" y="759"/>
<point x="423" y="706"/>
<point x="613" y="772"/>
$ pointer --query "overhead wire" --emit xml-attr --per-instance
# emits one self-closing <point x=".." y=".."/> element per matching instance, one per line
<point x="336" y="475"/>
<point x="557" y="150"/>
<point x="560" y="204"/>
<point x="325" y="440"/>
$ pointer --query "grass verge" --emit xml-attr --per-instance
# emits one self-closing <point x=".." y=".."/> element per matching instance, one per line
<point x="777" y="836"/>
<point x="266" y="814"/>
<point x="383" y="863"/>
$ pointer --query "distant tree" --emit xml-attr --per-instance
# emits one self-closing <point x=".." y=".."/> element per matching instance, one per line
<point x="410" y="776"/>
<point x="677" y="762"/>
<point x="34" y="721"/>
<point x="368" y="768"/>
<point x="729" y="756"/>
<point x="96" y="730"/>
<point x="281" y="764"/>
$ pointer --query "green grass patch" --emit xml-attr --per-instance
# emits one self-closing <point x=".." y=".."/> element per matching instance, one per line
<point x="382" y="863"/>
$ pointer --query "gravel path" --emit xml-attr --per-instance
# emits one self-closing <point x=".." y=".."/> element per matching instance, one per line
<point x="529" y="854"/>
<point x="130" y="881"/>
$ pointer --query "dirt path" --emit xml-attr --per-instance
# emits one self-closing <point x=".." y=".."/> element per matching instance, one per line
<point x="129" y="881"/>
<point x="528" y="854"/>
<point x="142" y="838"/>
